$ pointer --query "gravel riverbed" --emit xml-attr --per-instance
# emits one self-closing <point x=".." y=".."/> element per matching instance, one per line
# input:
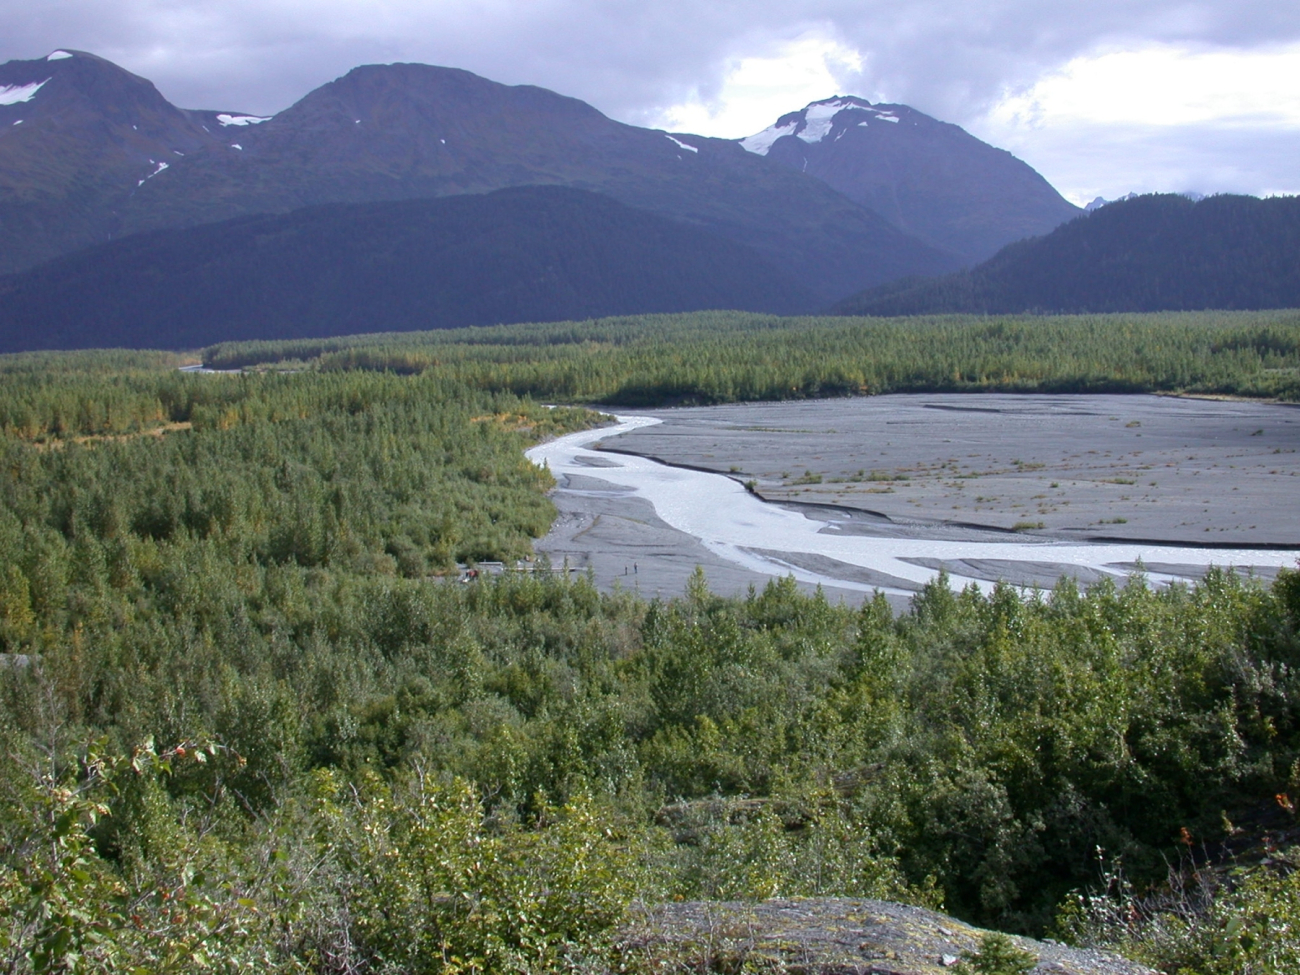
<point x="1167" y="477"/>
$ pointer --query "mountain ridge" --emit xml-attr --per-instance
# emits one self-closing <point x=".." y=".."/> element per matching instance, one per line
<point x="409" y="131"/>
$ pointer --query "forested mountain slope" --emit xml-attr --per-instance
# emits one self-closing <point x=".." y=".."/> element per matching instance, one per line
<point x="525" y="254"/>
<point x="1148" y="253"/>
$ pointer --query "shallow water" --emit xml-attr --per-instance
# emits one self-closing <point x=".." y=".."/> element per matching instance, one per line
<point x="774" y="540"/>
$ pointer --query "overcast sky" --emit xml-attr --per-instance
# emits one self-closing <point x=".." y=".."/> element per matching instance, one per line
<point x="1103" y="97"/>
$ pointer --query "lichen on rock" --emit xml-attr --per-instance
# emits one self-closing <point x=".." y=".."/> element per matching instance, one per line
<point x="829" y="936"/>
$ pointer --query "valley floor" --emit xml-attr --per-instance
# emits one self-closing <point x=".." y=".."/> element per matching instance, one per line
<point x="1147" y="470"/>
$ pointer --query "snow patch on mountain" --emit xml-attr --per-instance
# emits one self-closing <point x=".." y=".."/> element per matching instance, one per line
<point x="13" y="94"/>
<point x="243" y="119"/>
<point x="683" y="144"/>
<point x="819" y="116"/>
<point x="813" y="123"/>
<point x="161" y="166"/>
<point x="761" y="142"/>
<point x="59" y="56"/>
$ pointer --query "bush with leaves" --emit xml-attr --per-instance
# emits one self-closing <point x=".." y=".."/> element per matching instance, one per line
<point x="65" y="909"/>
<point x="435" y="886"/>
<point x="1202" y="921"/>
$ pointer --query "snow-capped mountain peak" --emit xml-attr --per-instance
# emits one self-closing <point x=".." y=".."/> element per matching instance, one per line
<point x="928" y="178"/>
<point x="814" y="122"/>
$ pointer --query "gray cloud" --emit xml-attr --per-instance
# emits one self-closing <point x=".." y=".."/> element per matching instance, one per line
<point x="950" y="58"/>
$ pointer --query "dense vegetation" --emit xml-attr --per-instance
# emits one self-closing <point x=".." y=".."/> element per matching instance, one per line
<point x="251" y="723"/>
<point x="534" y="253"/>
<point x="723" y="357"/>
<point x="1148" y="253"/>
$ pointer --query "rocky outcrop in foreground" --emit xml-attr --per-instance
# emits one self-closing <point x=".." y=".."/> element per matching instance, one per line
<point x="830" y="936"/>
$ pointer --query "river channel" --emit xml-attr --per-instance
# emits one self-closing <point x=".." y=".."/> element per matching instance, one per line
<point x="641" y="524"/>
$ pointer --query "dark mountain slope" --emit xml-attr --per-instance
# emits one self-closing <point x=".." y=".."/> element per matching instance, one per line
<point x="929" y="178"/>
<point x="1149" y="253"/>
<point x="410" y="130"/>
<point x="78" y="135"/>
<point x="525" y="254"/>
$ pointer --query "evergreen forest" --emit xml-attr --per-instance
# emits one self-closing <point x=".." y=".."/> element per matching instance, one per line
<point x="253" y="721"/>
<point x="522" y="254"/>
<point x="1159" y="252"/>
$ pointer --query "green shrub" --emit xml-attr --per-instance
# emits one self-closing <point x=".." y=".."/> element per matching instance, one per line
<point x="997" y="955"/>
<point x="1202" y="922"/>
<point x="436" y="887"/>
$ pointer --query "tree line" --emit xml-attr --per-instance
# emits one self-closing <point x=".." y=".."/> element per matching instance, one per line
<point x="716" y="357"/>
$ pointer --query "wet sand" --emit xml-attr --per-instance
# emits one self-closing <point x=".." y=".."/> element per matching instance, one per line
<point x="980" y="467"/>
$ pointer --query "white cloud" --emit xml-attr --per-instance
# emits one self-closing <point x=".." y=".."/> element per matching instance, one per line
<point x="1164" y="85"/>
<point x="1158" y="119"/>
<point x="755" y="91"/>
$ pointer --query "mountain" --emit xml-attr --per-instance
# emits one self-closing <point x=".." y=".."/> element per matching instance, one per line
<point x="931" y="179"/>
<point x="411" y="131"/>
<point x="78" y="136"/>
<point x="1100" y="201"/>
<point x="524" y="254"/>
<point x="1161" y="252"/>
